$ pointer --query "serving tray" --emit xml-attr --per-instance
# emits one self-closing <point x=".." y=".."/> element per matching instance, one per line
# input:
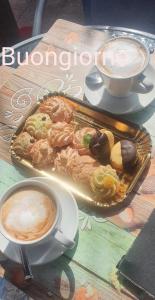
<point x="85" y="115"/>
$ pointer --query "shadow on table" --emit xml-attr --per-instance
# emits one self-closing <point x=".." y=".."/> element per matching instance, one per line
<point x="58" y="276"/>
<point x="55" y="278"/>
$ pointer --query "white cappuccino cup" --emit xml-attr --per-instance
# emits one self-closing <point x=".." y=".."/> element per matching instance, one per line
<point x="121" y="62"/>
<point x="30" y="214"/>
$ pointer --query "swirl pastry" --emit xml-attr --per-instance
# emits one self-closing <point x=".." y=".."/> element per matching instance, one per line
<point x="38" y="125"/>
<point x="61" y="134"/>
<point x="64" y="160"/>
<point x="42" y="154"/>
<point x="82" y="140"/>
<point x="23" y="144"/>
<point x="105" y="182"/>
<point x="57" y="109"/>
<point x="82" y="168"/>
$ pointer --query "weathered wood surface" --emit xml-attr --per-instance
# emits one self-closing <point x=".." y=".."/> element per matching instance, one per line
<point x="74" y="37"/>
<point x="102" y="241"/>
<point x="5" y="74"/>
<point x="111" y="242"/>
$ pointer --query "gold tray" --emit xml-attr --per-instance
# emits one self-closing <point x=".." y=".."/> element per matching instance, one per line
<point x="88" y="116"/>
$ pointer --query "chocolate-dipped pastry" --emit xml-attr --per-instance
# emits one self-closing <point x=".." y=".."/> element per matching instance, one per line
<point x="124" y="155"/>
<point x="101" y="144"/>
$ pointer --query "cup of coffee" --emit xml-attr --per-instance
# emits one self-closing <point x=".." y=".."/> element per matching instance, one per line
<point x="30" y="213"/>
<point x="121" y="62"/>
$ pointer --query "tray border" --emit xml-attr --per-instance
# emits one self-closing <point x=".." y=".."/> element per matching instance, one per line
<point x="55" y="178"/>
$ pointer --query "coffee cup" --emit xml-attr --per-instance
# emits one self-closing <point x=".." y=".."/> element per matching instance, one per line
<point x="121" y="62"/>
<point x="30" y="214"/>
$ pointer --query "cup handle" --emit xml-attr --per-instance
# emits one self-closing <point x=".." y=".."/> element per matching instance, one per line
<point x="60" y="237"/>
<point x="142" y="85"/>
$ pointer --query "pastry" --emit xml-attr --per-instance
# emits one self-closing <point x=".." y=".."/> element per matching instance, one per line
<point x="124" y="155"/>
<point x="101" y="144"/>
<point x="82" y="140"/>
<point x="42" y="154"/>
<point x="64" y="160"/>
<point x="23" y="144"/>
<point x="82" y="168"/>
<point x="57" y="108"/>
<point x="61" y="134"/>
<point x="38" y="125"/>
<point x="105" y="182"/>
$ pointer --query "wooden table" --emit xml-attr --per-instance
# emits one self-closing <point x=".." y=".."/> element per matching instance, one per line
<point x="89" y="272"/>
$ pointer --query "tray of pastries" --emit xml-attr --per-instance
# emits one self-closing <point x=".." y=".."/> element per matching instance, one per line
<point x="93" y="154"/>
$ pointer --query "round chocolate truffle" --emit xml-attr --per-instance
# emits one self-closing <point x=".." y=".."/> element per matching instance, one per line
<point x="124" y="155"/>
<point x="101" y="144"/>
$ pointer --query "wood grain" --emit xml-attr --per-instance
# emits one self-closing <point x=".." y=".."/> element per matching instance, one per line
<point x="16" y="97"/>
<point x="67" y="77"/>
<point x="5" y="74"/>
<point x="114" y="241"/>
<point x="74" y="37"/>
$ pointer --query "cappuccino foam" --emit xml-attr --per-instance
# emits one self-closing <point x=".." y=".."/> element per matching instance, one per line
<point x="28" y="214"/>
<point x="122" y="58"/>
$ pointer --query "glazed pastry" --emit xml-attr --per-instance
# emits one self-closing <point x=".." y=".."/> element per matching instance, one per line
<point x="38" y="125"/>
<point x="61" y="134"/>
<point x="57" y="108"/>
<point x="23" y="144"/>
<point x="82" y="140"/>
<point x="64" y="160"/>
<point x="42" y="154"/>
<point x="82" y="168"/>
<point x="124" y="156"/>
<point x="101" y="144"/>
<point x="105" y="182"/>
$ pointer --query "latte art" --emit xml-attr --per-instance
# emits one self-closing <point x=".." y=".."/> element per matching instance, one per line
<point x="122" y="58"/>
<point x="28" y="214"/>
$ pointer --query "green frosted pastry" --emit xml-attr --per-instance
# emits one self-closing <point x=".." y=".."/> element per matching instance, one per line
<point x="38" y="125"/>
<point x="105" y="181"/>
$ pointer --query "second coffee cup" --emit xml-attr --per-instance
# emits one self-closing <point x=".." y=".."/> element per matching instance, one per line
<point x="121" y="62"/>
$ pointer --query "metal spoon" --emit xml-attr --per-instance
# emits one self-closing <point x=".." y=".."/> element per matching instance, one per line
<point x="94" y="80"/>
<point x="25" y="263"/>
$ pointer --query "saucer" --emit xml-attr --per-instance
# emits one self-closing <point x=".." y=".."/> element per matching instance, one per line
<point x="99" y="97"/>
<point x="52" y="249"/>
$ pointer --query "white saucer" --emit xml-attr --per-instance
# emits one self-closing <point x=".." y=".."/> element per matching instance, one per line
<point x="42" y="254"/>
<point x="100" y="98"/>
